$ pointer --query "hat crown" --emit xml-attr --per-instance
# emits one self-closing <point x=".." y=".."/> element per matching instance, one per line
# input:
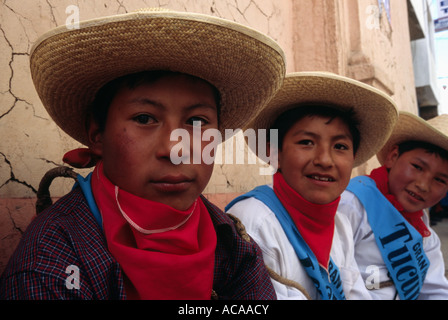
<point x="440" y="123"/>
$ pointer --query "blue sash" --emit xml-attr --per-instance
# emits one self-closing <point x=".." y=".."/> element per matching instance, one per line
<point x="400" y="244"/>
<point x="86" y="188"/>
<point x="328" y="284"/>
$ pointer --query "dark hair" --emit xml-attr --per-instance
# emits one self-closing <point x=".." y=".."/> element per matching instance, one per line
<point x="100" y="106"/>
<point x="286" y="120"/>
<point x="428" y="147"/>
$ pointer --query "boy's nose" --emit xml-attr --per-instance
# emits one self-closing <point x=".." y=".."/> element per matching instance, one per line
<point x="173" y="143"/>
<point x="422" y="183"/>
<point x="323" y="158"/>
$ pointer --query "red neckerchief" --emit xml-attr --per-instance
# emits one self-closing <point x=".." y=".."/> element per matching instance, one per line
<point x="170" y="265"/>
<point x="315" y="222"/>
<point x="381" y="178"/>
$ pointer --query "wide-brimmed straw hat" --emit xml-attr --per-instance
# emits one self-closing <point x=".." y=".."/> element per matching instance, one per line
<point x="69" y="66"/>
<point x="375" y="112"/>
<point x="411" y="127"/>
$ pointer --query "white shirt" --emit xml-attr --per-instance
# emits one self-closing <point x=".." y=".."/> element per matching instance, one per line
<point x="371" y="263"/>
<point x="279" y="255"/>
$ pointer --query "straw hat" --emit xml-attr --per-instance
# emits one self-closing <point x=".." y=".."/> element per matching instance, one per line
<point x="375" y="111"/>
<point x="68" y="66"/>
<point x="411" y="127"/>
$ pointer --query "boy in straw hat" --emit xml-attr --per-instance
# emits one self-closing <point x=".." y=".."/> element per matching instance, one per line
<point x="138" y="226"/>
<point x="398" y="254"/>
<point x="326" y="125"/>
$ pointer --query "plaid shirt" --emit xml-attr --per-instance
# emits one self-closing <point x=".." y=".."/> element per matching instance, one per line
<point x="66" y="236"/>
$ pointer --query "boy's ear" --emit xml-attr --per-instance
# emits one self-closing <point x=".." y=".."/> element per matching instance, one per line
<point x="391" y="157"/>
<point x="95" y="138"/>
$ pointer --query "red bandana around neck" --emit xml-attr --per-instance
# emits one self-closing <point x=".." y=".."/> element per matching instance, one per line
<point x="381" y="177"/>
<point x="168" y="264"/>
<point x="315" y="222"/>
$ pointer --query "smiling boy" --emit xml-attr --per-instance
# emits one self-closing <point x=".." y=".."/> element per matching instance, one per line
<point x="138" y="227"/>
<point x="307" y="142"/>
<point x="397" y="252"/>
<point x="326" y="126"/>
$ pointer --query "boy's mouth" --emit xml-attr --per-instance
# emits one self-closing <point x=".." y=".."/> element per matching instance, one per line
<point x="173" y="179"/>
<point x="172" y="183"/>
<point x="321" y="178"/>
<point x="415" y="196"/>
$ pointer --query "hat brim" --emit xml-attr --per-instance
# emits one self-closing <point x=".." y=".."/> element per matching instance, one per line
<point x="411" y="127"/>
<point x="68" y="67"/>
<point x="375" y="112"/>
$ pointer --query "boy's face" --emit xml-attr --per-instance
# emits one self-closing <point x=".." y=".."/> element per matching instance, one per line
<point x="418" y="179"/>
<point x="135" y="145"/>
<point x="317" y="158"/>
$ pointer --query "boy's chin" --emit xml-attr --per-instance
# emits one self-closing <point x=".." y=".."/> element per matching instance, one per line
<point x="410" y="209"/>
<point x="178" y="203"/>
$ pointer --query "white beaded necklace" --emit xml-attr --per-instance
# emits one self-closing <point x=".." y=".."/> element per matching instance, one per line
<point x="145" y="231"/>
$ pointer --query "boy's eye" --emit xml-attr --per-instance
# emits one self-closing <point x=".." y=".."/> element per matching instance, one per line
<point x="443" y="181"/>
<point x="416" y="166"/>
<point x="305" y="142"/>
<point x="197" y="121"/>
<point x="341" y="146"/>
<point x="143" y="119"/>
